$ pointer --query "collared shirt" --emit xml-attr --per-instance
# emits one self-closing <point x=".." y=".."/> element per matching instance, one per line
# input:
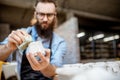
<point x="58" y="47"/>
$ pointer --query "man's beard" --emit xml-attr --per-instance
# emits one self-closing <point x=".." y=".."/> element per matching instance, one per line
<point x="45" y="33"/>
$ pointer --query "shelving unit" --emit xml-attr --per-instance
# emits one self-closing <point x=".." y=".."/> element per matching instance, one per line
<point x="98" y="49"/>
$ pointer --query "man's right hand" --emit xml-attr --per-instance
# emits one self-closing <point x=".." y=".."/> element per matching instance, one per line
<point x="16" y="38"/>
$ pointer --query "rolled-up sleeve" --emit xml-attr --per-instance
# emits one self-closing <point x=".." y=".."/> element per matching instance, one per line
<point x="4" y="41"/>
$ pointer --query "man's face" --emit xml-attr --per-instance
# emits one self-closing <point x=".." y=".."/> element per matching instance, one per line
<point x="45" y="14"/>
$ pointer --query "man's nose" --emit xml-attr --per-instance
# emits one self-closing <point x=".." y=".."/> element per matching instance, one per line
<point x="45" y="18"/>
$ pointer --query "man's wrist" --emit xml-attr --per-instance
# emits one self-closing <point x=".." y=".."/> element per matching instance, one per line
<point x="8" y="47"/>
<point x="49" y="71"/>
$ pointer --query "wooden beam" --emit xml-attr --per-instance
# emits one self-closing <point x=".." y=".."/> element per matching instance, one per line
<point x="90" y="15"/>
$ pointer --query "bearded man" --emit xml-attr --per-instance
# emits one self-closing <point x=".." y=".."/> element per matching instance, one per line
<point x="29" y="68"/>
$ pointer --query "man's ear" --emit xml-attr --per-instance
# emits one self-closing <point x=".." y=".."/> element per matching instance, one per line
<point x="34" y="13"/>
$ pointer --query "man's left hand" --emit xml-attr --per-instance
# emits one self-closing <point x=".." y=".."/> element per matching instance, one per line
<point x="39" y="64"/>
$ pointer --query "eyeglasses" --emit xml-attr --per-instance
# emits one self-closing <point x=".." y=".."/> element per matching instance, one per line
<point x="48" y="15"/>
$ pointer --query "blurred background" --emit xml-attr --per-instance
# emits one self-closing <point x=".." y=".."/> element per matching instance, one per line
<point x="91" y="28"/>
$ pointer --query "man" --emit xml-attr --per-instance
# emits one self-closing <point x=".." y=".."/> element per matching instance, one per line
<point x="30" y="68"/>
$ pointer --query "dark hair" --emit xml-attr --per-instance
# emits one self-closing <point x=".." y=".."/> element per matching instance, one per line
<point x="46" y="1"/>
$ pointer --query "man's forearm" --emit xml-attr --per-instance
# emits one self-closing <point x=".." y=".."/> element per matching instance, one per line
<point x="49" y="71"/>
<point x="4" y="52"/>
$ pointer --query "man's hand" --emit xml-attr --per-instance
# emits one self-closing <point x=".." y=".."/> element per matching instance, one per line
<point x="16" y="38"/>
<point x="43" y="65"/>
<point x="39" y="65"/>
